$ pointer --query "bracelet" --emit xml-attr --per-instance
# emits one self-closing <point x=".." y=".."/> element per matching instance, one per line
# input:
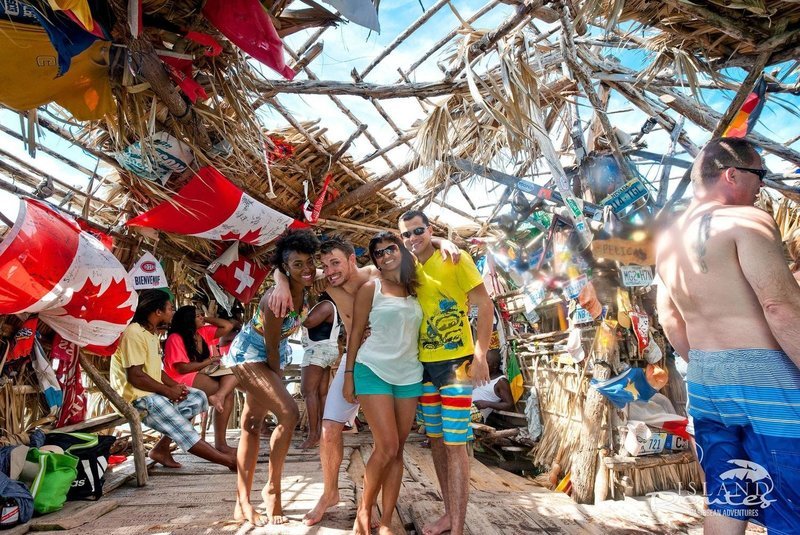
<point x="348" y="371"/>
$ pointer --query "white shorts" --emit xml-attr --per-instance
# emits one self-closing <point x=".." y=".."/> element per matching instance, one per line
<point x="337" y="408"/>
<point x="322" y="355"/>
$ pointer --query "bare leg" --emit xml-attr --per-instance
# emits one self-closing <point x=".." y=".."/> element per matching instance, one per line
<point x="405" y="410"/>
<point x="206" y="451"/>
<point x="379" y="410"/>
<point x="161" y="454"/>
<point x="331" y="452"/>
<point x="226" y="385"/>
<point x="440" y="464"/>
<point x="265" y="392"/>
<point x="457" y="486"/>
<point x="311" y="378"/>
<point x="211" y="388"/>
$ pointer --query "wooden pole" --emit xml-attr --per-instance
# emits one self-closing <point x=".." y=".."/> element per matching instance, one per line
<point x="744" y="90"/>
<point x="125" y="408"/>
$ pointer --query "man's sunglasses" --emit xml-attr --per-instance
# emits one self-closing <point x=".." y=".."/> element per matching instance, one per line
<point x="760" y="172"/>
<point x="389" y="249"/>
<point x="419" y="231"/>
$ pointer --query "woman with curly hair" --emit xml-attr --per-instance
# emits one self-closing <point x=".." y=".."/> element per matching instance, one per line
<point x="384" y="370"/>
<point x="256" y="357"/>
<point x="188" y="352"/>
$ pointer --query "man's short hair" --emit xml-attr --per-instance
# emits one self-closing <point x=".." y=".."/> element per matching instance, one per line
<point x="331" y="242"/>
<point x="411" y="214"/>
<point x="720" y="154"/>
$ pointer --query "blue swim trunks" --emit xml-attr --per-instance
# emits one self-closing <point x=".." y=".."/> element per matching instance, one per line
<point x="746" y="409"/>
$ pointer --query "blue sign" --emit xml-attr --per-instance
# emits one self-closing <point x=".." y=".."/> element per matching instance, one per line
<point x="625" y="196"/>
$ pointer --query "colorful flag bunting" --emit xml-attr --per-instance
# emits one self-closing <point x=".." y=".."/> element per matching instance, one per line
<point x="211" y="207"/>
<point x="514" y="375"/>
<point x="746" y="118"/>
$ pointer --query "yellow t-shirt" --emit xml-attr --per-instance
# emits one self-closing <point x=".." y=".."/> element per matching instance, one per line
<point x="138" y="347"/>
<point x="445" y="333"/>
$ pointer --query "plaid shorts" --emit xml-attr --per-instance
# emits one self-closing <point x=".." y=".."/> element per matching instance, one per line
<point x="174" y="419"/>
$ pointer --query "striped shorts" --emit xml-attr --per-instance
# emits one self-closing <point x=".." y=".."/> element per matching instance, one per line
<point x="446" y="400"/>
<point x="174" y="419"/>
<point x="746" y="409"/>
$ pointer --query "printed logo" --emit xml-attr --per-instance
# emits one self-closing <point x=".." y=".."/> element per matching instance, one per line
<point x="148" y="267"/>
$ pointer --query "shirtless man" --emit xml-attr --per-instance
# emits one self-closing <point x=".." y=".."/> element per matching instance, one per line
<point x="344" y="278"/>
<point x="729" y="305"/>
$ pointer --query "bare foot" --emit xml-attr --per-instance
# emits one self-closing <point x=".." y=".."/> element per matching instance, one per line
<point x="374" y="518"/>
<point x="217" y="402"/>
<point x="224" y="448"/>
<point x="164" y="458"/>
<point x="246" y="513"/>
<point x="315" y="515"/>
<point x="362" y="523"/>
<point x="272" y="505"/>
<point x="311" y="442"/>
<point x="385" y="530"/>
<point x="438" y="527"/>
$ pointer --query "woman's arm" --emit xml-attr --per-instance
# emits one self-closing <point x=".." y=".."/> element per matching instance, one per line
<point x="223" y="326"/>
<point x="272" y="334"/>
<point x="320" y="314"/>
<point x="175" y="356"/>
<point x="361" y="309"/>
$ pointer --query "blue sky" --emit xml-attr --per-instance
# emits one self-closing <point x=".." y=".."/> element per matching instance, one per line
<point x="350" y="46"/>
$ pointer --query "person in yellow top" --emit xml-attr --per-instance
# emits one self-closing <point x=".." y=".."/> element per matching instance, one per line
<point x="452" y="362"/>
<point x="137" y="376"/>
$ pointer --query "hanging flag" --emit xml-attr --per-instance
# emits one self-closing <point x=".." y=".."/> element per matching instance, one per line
<point x="47" y="378"/>
<point x="179" y="67"/>
<point x="148" y="273"/>
<point x="23" y="339"/>
<point x="361" y="12"/>
<point x="66" y="363"/>
<point x="80" y="12"/>
<point x="156" y="157"/>
<point x="630" y="385"/>
<point x="211" y="207"/>
<point x="213" y="48"/>
<point x="48" y="266"/>
<point x="312" y="211"/>
<point x="237" y="275"/>
<point x="105" y="239"/>
<point x="248" y="25"/>
<point x="514" y="375"/>
<point x="29" y="69"/>
<point x="746" y="118"/>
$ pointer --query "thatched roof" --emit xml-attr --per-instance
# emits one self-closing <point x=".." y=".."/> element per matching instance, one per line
<point x="507" y="97"/>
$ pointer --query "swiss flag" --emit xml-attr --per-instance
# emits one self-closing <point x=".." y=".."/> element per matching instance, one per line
<point x="238" y="275"/>
<point x="49" y="267"/>
<point x="211" y="207"/>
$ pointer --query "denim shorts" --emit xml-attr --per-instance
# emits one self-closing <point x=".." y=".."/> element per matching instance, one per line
<point x="367" y="384"/>
<point x="248" y="346"/>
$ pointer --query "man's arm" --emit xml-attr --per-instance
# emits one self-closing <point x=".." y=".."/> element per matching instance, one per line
<point x="503" y="390"/>
<point x="139" y="379"/>
<point x="479" y="297"/>
<point x="671" y="321"/>
<point x="758" y="247"/>
<point x="447" y="249"/>
<point x="319" y="314"/>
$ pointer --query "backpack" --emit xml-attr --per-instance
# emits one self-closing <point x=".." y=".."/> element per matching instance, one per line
<point x="92" y="452"/>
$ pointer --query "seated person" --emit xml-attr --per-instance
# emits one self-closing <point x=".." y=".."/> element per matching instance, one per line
<point x="321" y="351"/>
<point x="190" y="353"/>
<point x="496" y="394"/>
<point x="137" y="376"/>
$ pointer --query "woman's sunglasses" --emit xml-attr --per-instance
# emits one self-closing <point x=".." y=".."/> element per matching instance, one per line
<point x="419" y="231"/>
<point x="390" y="249"/>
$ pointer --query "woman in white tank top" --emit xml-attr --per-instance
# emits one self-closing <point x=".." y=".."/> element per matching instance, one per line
<point x="384" y="370"/>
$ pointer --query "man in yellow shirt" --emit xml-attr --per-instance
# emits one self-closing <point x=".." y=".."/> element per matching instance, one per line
<point x="137" y="376"/>
<point x="452" y="363"/>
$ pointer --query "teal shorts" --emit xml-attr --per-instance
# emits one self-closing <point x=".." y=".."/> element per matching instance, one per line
<point x="369" y="384"/>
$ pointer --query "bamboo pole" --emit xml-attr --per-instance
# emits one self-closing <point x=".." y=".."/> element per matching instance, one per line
<point x="744" y="90"/>
<point x="125" y="408"/>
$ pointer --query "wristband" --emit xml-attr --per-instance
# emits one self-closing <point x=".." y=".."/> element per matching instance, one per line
<point x="348" y="371"/>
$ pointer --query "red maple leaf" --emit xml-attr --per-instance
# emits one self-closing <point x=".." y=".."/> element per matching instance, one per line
<point x="90" y="305"/>
<point x="251" y="237"/>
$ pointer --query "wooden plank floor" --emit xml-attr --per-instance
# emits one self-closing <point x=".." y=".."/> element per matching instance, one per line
<point x="199" y="499"/>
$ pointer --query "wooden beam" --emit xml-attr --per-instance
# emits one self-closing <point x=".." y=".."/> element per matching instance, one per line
<point x="367" y="190"/>
<point x="740" y="28"/>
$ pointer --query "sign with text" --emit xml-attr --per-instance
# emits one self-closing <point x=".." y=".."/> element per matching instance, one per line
<point x="625" y="251"/>
<point x="148" y="273"/>
<point x="581" y="316"/>
<point x="625" y="196"/>
<point x="636" y="276"/>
